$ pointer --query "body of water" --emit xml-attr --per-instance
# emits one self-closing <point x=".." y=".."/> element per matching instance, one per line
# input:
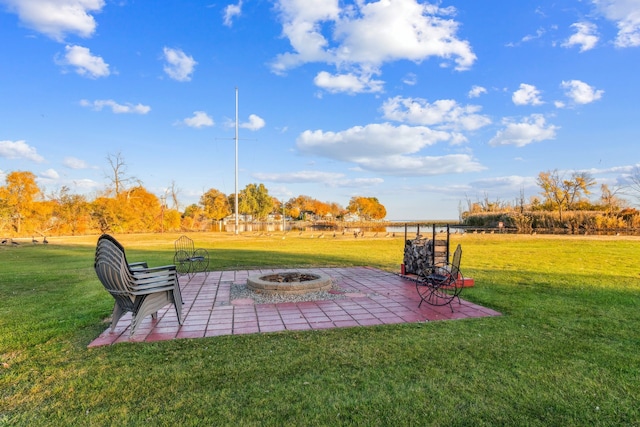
<point x="411" y="229"/>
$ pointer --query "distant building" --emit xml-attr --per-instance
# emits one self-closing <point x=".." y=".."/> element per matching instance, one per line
<point x="351" y="217"/>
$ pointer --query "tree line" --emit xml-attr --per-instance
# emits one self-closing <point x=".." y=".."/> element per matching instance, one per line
<point x="564" y="202"/>
<point x="126" y="206"/>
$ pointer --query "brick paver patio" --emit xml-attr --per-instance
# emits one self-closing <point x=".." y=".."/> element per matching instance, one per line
<point x="371" y="297"/>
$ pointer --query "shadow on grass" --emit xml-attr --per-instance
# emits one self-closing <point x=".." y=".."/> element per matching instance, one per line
<point x="564" y="353"/>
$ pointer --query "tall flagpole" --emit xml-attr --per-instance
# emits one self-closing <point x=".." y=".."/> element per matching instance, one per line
<point x="236" y="138"/>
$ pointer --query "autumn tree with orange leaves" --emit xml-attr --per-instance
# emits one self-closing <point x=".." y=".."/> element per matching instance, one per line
<point x="368" y="208"/>
<point x="215" y="205"/>
<point x="126" y="206"/>
<point x="17" y="198"/>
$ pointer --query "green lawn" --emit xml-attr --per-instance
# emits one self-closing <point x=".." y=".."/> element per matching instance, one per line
<point x="566" y="351"/>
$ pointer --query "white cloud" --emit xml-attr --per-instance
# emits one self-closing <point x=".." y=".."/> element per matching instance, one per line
<point x="129" y="108"/>
<point x="301" y="24"/>
<point x="75" y="163"/>
<point x="86" y="184"/>
<point x="529" y="37"/>
<point x="50" y="174"/>
<point x="401" y="29"/>
<point x="532" y="129"/>
<point x="349" y="83"/>
<point x="585" y="36"/>
<point x="388" y="149"/>
<point x="19" y="150"/>
<point x="198" y="120"/>
<point x="51" y="177"/>
<point x="476" y="91"/>
<point x="86" y="64"/>
<point x="179" y="65"/>
<point x="513" y="183"/>
<point x="359" y="38"/>
<point x="255" y="123"/>
<point x="527" y="95"/>
<point x="410" y="79"/>
<point x="300" y="176"/>
<point x="539" y="33"/>
<point x="580" y="92"/>
<point x="55" y="18"/>
<point x="357" y="182"/>
<point x="626" y="15"/>
<point x="457" y="138"/>
<point x="363" y="142"/>
<point x="623" y="170"/>
<point x="422" y="165"/>
<point x="230" y="12"/>
<point x="444" y="113"/>
<point x="331" y="179"/>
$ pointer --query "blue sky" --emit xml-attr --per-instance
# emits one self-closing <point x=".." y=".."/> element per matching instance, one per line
<point x="424" y="105"/>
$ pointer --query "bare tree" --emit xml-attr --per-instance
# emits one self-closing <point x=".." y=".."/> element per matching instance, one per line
<point x="118" y="174"/>
<point x="610" y="199"/>
<point x="469" y="203"/>
<point x="564" y="193"/>
<point x="578" y="186"/>
<point x="633" y="187"/>
<point x="521" y="200"/>
<point x="173" y="192"/>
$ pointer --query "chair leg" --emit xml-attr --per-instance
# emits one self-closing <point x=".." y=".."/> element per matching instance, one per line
<point x="116" y="315"/>
<point x="177" y="302"/>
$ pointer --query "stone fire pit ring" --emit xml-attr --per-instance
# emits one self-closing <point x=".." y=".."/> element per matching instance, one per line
<point x="289" y="282"/>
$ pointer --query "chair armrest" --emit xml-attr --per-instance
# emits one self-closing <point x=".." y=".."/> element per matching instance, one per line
<point x="153" y="271"/>
<point x="152" y="281"/>
<point x="144" y="280"/>
<point x="162" y="267"/>
<point x="138" y="265"/>
<point x="152" y="290"/>
<point x="156" y="280"/>
<point x="155" y="275"/>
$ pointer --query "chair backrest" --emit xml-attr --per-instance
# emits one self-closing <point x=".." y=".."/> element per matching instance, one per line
<point x="184" y="244"/>
<point x="117" y="244"/>
<point x="112" y="240"/>
<point x="112" y="270"/>
<point x="455" y="262"/>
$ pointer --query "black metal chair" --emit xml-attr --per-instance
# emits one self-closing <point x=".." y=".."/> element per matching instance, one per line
<point x="189" y="260"/>
<point x="441" y="283"/>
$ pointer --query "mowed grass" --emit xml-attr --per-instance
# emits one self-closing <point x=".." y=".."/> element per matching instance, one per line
<point x="565" y="352"/>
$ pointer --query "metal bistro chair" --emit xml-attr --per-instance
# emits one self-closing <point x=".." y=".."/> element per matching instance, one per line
<point x="441" y="283"/>
<point x="189" y="260"/>
<point x="135" y="287"/>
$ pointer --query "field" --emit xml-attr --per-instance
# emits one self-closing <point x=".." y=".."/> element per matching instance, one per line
<point x="565" y="352"/>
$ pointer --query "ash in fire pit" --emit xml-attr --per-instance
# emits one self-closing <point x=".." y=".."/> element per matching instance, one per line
<point x="293" y="282"/>
<point x="290" y="277"/>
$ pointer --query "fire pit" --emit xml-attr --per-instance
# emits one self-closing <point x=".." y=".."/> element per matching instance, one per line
<point x="289" y="283"/>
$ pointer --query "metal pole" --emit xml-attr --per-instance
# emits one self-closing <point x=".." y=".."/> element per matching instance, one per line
<point x="236" y="138"/>
<point x="448" y="239"/>
<point x="433" y="242"/>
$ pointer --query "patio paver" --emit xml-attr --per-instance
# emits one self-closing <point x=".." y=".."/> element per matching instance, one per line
<point x="371" y="297"/>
